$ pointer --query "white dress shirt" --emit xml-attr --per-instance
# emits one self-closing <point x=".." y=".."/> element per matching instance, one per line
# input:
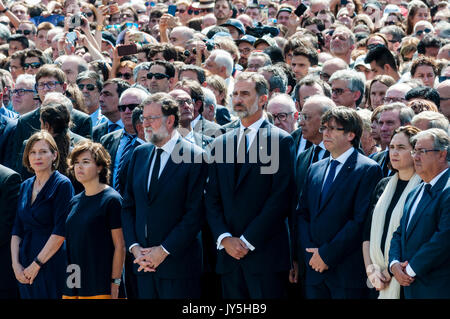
<point x="322" y="151"/>
<point x="433" y="182"/>
<point x="194" y="122"/>
<point x="252" y="131"/>
<point x="341" y="159"/>
<point x="301" y="145"/>
<point x="167" y="150"/>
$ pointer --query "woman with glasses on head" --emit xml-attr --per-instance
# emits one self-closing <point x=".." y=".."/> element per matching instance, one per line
<point x="98" y="250"/>
<point x="37" y="251"/>
<point x="388" y="201"/>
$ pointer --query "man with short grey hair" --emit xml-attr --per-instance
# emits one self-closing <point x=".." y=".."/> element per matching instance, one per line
<point x="342" y="43"/>
<point x="90" y="85"/>
<point x="331" y="66"/>
<point x="283" y="110"/>
<point x="429" y="119"/>
<point x="72" y="65"/>
<point x="276" y="78"/>
<point x="23" y="94"/>
<point x="140" y="74"/>
<point x="257" y="60"/>
<point x="347" y="88"/>
<point x="419" y="251"/>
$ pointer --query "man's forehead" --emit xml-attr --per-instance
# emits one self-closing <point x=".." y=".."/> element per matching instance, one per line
<point x="110" y="87"/>
<point x="179" y="93"/>
<point x="47" y="79"/>
<point x="278" y="107"/>
<point x="244" y="84"/>
<point x="157" y="68"/>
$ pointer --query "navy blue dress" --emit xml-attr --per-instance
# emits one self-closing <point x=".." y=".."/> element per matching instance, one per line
<point x="34" y="224"/>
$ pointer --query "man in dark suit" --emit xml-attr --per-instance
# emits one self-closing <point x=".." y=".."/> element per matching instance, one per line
<point x="9" y="194"/>
<point x="419" y="256"/>
<point x="248" y="198"/>
<point x="392" y="116"/>
<point x="7" y="127"/>
<point x="199" y="123"/>
<point x="213" y="112"/>
<point x="331" y="216"/>
<point x="49" y="79"/>
<point x="109" y="105"/>
<point x="122" y="141"/>
<point x="162" y="207"/>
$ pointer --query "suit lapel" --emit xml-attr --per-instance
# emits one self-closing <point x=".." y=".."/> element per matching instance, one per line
<point x="318" y="179"/>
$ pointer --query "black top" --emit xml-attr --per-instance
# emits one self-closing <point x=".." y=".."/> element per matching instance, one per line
<point x="401" y="185"/>
<point x="89" y="241"/>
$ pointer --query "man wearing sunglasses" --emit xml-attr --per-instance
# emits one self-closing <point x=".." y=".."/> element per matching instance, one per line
<point x="33" y="61"/>
<point x="422" y="28"/>
<point x="28" y="29"/>
<point x="91" y="85"/>
<point x="161" y="76"/>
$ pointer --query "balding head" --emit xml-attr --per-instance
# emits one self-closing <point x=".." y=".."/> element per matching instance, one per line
<point x="179" y="35"/>
<point x="282" y="107"/>
<point x="331" y="66"/>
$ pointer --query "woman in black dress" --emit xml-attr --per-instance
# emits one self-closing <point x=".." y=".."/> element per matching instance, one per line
<point x="94" y="237"/>
<point x="389" y="196"/>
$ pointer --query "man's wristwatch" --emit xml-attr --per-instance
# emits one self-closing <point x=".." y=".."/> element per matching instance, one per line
<point x="4" y="10"/>
<point x="116" y="281"/>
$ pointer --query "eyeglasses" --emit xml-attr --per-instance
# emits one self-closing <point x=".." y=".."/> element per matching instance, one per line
<point x="148" y="3"/>
<point x="131" y="107"/>
<point x="150" y="118"/>
<point x="388" y="100"/>
<point x="184" y="101"/>
<point x="89" y="87"/>
<point x="49" y="85"/>
<point x="24" y="32"/>
<point x="390" y="23"/>
<point x="181" y="11"/>
<point x="338" y="91"/>
<point x="443" y="78"/>
<point x="422" y="152"/>
<point x="87" y="14"/>
<point x="198" y="11"/>
<point x="419" y="33"/>
<point x="281" y="116"/>
<point x="324" y="76"/>
<point x="330" y="128"/>
<point x="125" y="76"/>
<point x="158" y="76"/>
<point x="304" y="117"/>
<point x="21" y="92"/>
<point x="34" y="65"/>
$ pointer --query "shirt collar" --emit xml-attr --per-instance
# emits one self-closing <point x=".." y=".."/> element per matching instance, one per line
<point x="254" y="127"/>
<point x="140" y="141"/>
<point x="119" y="122"/>
<point x="194" y="122"/>
<point x="170" y="145"/>
<point x="344" y="156"/>
<point x="434" y="180"/>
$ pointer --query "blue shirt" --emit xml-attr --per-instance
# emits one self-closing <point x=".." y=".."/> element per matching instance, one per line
<point x="9" y="114"/>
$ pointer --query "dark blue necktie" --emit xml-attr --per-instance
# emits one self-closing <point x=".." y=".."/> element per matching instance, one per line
<point x="329" y="180"/>
<point x="113" y="127"/>
<point x="241" y="154"/>
<point x="155" y="171"/>
<point x="127" y="147"/>
<point x="317" y="150"/>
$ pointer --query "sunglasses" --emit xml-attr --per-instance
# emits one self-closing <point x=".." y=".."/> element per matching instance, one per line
<point x="131" y="107"/>
<point x="24" y="32"/>
<point x="148" y="3"/>
<point x="181" y="11"/>
<point x="125" y="76"/>
<point x="87" y="14"/>
<point x="198" y="11"/>
<point x="89" y="87"/>
<point x="420" y="32"/>
<point x="34" y="65"/>
<point x="158" y="76"/>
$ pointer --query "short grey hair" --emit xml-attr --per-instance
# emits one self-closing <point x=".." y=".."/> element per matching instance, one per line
<point x="365" y="115"/>
<point x="405" y="113"/>
<point x="4" y="32"/>
<point x="278" y="80"/>
<point x="267" y="59"/>
<point x="56" y="97"/>
<point x="140" y="67"/>
<point x="90" y="75"/>
<point x="223" y="58"/>
<point x="138" y="92"/>
<point x="28" y="79"/>
<point x="325" y="102"/>
<point x="82" y="64"/>
<point x="355" y="81"/>
<point x="261" y="85"/>
<point x="209" y="98"/>
<point x="435" y="120"/>
<point x="284" y="99"/>
<point x="441" y="141"/>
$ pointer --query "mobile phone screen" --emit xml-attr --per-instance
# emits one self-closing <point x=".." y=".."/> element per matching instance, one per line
<point x="300" y="10"/>
<point x="127" y="49"/>
<point x="172" y="9"/>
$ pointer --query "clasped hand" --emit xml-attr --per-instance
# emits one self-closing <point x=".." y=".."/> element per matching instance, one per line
<point x="150" y="258"/>
<point x="316" y="261"/>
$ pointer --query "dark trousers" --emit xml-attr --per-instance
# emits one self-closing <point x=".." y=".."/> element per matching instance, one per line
<point x="240" y="284"/>
<point x="152" y="287"/>
<point x="131" y="287"/>
<point x="8" y="282"/>
<point x="325" y="291"/>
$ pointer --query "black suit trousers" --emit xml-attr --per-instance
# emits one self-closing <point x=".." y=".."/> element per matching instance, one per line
<point x="152" y="287"/>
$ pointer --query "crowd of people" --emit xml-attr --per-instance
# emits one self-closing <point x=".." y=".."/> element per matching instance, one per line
<point x="224" y="149"/>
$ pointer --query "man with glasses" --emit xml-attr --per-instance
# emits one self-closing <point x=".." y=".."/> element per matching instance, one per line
<point x="161" y="76"/>
<point x="90" y="84"/>
<point x="331" y="217"/>
<point x="223" y="11"/>
<point x="23" y="94"/>
<point x="109" y="106"/>
<point x="418" y="255"/>
<point x="245" y="46"/>
<point x="444" y="93"/>
<point x="28" y="29"/>
<point x="347" y="88"/>
<point x="33" y="60"/>
<point x="422" y="28"/>
<point x="162" y="206"/>
<point x="396" y="93"/>
<point x="179" y="35"/>
<point x="394" y="34"/>
<point x="284" y="113"/>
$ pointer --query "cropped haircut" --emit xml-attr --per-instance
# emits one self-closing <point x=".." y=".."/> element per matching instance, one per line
<point x="355" y="81"/>
<point x="381" y="55"/>
<point x="169" y="106"/>
<point x="90" y="75"/>
<point x="441" y="141"/>
<point x="261" y="85"/>
<point x="348" y="118"/>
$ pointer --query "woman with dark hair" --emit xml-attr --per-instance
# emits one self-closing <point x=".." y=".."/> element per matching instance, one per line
<point x="37" y="251"/>
<point x="417" y="11"/>
<point x="377" y="90"/>
<point x="76" y="97"/>
<point x="388" y="201"/>
<point x="99" y="250"/>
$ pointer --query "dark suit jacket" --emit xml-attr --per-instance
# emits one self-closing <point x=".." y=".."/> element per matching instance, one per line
<point x="207" y="128"/>
<point x="202" y="140"/>
<point x="222" y="115"/>
<point x="111" y="143"/>
<point x="7" y="127"/>
<point x="29" y="123"/>
<point x="297" y="136"/>
<point x="124" y="169"/>
<point x="9" y="194"/>
<point x="99" y="131"/>
<point x="425" y="243"/>
<point x="230" y="126"/>
<point x="382" y="158"/>
<point x="257" y="205"/>
<point x="172" y="216"/>
<point x="336" y="226"/>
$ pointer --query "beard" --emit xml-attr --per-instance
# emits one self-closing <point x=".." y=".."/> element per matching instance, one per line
<point x="248" y="111"/>
<point x="156" y="137"/>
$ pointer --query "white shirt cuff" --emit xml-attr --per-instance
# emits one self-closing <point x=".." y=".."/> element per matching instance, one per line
<point x="165" y="250"/>
<point x="219" y="240"/>
<point x="131" y="247"/>
<point x="410" y="271"/>
<point x="249" y="246"/>
<point x="392" y="264"/>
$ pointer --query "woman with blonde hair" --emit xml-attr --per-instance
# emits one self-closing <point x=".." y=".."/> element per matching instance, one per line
<point x="37" y="251"/>
<point x="417" y="11"/>
<point x="389" y="196"/>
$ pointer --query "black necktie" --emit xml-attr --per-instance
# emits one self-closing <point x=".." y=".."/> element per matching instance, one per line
<point x="329" y="180"/>
<point x="127" y="148"/>
<point x="155" y="171"/>
<point x="113" y="127"/>
<point x="241" y="154"/>
<point x="317" y="150"/>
